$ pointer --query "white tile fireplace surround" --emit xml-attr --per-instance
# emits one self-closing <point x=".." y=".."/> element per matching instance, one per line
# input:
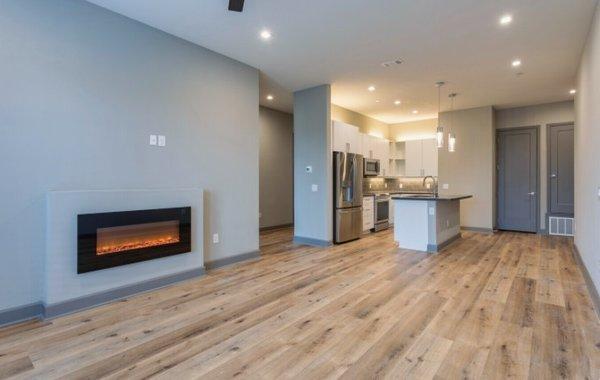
<point x="65" y="290"/>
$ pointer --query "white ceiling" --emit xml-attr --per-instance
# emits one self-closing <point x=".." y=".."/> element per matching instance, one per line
<point x="344" y="42"/>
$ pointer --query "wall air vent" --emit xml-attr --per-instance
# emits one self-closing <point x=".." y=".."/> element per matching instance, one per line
<point x="561" y="226"/>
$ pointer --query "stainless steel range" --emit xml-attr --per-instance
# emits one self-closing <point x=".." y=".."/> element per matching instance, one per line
<point x="382" y="212"/>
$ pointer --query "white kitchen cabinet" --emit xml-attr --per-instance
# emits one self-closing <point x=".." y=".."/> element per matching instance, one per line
<point x="430" y="157"/>
<point x="413" y="158"/>
<point x="421" y="158"/>
<point x="368" y="213"/>
<point x="345" y="137"/>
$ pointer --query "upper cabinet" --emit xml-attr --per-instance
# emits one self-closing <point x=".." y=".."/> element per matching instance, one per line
<point x="416" y="158"/>
<point x="345" y="137"/>
<point x="421" y="158"/>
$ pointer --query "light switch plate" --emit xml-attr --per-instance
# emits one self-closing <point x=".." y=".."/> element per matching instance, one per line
<point x="153" y="140"/>
<point x="445" y="186"/>
<point x="314" y="188"/>
<point x="215" y="238"/>
<point x="431" y="211"/>
<point x="162" y="140"/>
<point x="598" y="191"/>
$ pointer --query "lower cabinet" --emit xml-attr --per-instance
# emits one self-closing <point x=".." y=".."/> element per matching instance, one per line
<point x="368" y="213"/>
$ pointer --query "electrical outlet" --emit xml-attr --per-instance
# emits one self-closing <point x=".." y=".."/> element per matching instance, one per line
<point x="428" y="186"/>
<point x="370" y="186"/>
<point x="162" y="140"/>
<point x="215" y="238"/>
<point x="260" y="214"/>
<point x="445" y="186"/>
<point x="431" y="211"/>
<point x="314" y="188"/>
<point x="385" y="185"/>
<point x="153" y="140"/>
<point x="401" y="185"/>
<point x="447" y="223"/>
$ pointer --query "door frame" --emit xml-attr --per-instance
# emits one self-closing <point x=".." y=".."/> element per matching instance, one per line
<point x="538" y="178"/>
<point x="548" y="183"/>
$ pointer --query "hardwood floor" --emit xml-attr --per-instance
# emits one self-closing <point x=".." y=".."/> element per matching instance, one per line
<point x="506" y="305"/>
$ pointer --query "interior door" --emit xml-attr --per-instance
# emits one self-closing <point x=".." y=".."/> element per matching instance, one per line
<point x="518" y="179"/>
<point x="561" y="158"/>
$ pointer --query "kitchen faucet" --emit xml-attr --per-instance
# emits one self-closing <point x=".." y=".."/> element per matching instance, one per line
<point x="435" y="187"/>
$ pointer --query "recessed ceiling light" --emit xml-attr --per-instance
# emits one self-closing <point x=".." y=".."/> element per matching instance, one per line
<point x="573" y="91"/>
<point x="397" y="102"/>
<point x="415" y="112"/>
<point x="516" y="63"/>
<point x="371" y="88"/>
<point x="392" y="63"/>
<point x="265" y="34"/>
<point x="270" y="97"/>
<point x="506" y="19"/>
<point x="377" y="100"/>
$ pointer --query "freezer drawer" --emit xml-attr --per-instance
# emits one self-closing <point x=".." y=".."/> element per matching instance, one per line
<point x="348" y="224"/>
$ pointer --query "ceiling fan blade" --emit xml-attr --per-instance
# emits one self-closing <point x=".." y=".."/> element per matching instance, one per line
<point x="236" y="5"/>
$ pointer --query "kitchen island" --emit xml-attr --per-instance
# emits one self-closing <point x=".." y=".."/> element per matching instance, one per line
<point x="426" y="222"/>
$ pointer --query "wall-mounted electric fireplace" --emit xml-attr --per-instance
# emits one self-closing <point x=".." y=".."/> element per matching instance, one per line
<point x="112" y="239"/>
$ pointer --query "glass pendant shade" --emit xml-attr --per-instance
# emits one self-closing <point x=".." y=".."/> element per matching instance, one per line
<point x="451" y="142"/>
<point x="439" y="136"/>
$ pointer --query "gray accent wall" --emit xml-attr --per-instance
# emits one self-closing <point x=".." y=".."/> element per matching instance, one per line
<point x="587" y="161"/>
<point x="276" y="168"/>
<point x="312" y="147"/>
<point x="539" y="115"/>
<point x="470" y="169"/>
<point x="81" y="90"/>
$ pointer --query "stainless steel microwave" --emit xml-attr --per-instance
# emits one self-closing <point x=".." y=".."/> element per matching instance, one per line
<point x="371" y="167"/>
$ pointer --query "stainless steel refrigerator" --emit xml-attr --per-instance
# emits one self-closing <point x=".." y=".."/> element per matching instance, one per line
<point x="347" y="196"/>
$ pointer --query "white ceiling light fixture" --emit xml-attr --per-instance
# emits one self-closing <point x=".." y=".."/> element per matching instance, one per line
<point x="439" y="133"/>
<point x="377" y="100"/>
<point x="265" y="34"/>
<point x="270" y="97"/>
<point x="415" y="112"/>
<point x="516" y="63"/>
<point x="451" y="135"/>
<point x="506" y="19"/>
<point x="371" y="88"/>
<point x="573" y="91"/>
<point x="397" y="102"/>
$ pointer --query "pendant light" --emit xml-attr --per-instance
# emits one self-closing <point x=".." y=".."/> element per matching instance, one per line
<point x="451" y="135"/>
<point x="439" y="134"/>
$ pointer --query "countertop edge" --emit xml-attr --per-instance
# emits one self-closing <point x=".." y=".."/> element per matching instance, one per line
<point x="438" y="198"/>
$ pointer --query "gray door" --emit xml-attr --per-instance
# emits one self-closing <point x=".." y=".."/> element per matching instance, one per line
<point x="518" y="179"/>
<point x="561" y="158"/>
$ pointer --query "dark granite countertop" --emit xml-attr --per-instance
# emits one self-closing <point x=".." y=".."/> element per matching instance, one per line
<point x="430" y="197"/>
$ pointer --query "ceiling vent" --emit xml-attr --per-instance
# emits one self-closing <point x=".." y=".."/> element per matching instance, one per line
<point x="392" y="63"/>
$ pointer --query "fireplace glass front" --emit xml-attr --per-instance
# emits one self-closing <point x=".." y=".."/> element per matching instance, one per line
<point x="111" y="239"/>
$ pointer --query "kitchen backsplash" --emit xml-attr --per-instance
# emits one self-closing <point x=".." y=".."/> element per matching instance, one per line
<point x="394" y="185"/>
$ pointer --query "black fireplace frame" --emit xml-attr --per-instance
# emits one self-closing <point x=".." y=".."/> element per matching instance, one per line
<point x="88" y="225"/>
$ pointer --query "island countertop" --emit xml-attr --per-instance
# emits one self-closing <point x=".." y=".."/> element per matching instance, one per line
<point x="430" y="197"/>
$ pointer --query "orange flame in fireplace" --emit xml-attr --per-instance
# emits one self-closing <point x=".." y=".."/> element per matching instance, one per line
<point x="107" y="249"/>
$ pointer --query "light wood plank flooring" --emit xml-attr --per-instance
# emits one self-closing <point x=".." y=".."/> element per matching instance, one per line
<point x="500" y="306"/>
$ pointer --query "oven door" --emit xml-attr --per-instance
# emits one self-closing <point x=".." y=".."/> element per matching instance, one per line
<point x="382" y="211"/>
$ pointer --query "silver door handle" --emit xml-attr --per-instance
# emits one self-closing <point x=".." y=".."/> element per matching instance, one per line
<point x="532" y="193"/>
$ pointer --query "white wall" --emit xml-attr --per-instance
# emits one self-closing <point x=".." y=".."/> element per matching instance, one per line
<point x="276" y="168"/>
<point x="587" y="159"/>
<point x="413" y="130"/>
<point x="81" y="90"/>
<point x="539" y="115"/>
